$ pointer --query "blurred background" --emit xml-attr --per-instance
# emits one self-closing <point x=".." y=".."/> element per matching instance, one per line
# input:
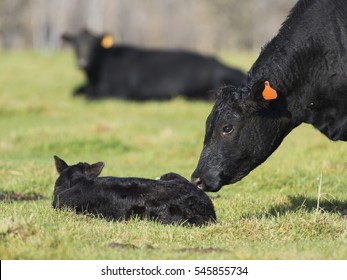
<point x="205" y="26"/>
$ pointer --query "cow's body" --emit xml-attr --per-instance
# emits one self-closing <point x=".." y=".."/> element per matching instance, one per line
<point x="306" y="63"/>
<point x="170" y="200"/>
<point x="138" y="74"/>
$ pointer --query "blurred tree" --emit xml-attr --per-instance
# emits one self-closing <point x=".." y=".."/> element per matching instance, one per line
<point x="201" y="25"/>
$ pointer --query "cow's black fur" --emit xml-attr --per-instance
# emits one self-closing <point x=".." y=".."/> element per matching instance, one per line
<point x="139" y="74"/>
<point x="307" y="64"/>
<point x="170" y="200"/>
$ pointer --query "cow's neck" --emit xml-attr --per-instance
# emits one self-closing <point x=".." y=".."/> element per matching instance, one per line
<point x="95" y="64"/>
<point x="310" y="79"/>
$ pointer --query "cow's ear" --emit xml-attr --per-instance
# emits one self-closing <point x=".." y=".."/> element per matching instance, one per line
<point x="60" y="165"/>
<point x="106" y="41"/>
<point x="67" y="37"/>
<point x="262" y="90"/>
<point x="94" y="169"/>
<point x="85" y="31"/>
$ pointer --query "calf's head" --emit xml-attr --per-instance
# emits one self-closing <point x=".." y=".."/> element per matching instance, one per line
<point x="244" y="127"/>
<point x="68" y="173"/>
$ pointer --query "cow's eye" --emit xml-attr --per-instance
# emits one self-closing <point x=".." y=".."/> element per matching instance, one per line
<point x="227" y="129"/>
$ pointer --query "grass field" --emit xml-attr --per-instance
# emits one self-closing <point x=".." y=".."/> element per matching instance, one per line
<point x="271" y="214"/>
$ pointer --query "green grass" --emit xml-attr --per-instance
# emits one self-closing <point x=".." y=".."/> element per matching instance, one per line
<point x="271" y="214"/>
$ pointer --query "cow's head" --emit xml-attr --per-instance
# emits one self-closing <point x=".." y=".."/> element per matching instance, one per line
<point x="243" y="129"/>
<point x="85" y="43"/>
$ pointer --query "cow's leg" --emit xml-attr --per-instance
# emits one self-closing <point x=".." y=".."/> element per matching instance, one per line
<point x="80" y="90"/>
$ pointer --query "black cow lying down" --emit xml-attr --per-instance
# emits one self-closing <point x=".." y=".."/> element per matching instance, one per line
<point x="139" y="74"/>
<point x="299" y="77"/>
<point x="170" y="200"/>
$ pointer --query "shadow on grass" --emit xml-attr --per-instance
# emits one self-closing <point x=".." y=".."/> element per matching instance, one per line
<point x="13" y="196"/>
<point x="302" y="203"/>
<point x="202" y="250"/>
<point x="128" y="246"/>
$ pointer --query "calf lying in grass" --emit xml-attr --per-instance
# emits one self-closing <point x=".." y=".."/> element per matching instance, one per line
<point x="170" y="200"/>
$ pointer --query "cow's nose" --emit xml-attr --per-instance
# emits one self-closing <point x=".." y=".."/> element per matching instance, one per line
<point x="198" y="182"/>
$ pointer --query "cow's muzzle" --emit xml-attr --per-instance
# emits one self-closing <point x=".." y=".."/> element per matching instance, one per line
<point x="205" y="185"/>
<point x="198" y="182"/>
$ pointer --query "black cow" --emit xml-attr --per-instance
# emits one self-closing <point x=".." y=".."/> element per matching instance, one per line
<point x="139" y="74"/>
<point x="170" y="200"/>
<point x="299" y="77"/>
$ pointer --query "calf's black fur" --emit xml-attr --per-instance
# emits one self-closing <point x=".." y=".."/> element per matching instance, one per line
<point x="170" y="200"/>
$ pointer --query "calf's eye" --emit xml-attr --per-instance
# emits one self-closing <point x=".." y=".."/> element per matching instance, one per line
<point x="227" y="129"/>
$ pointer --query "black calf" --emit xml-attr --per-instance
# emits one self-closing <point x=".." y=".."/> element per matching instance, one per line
<point x="170" y="200"/>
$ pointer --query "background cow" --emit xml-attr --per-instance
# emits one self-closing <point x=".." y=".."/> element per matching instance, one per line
<point x="139" y="74"/>
<point x="299" y="77"/>
<point x="172" y="199"/>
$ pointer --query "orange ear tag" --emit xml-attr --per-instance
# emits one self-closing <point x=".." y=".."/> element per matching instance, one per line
<point x="269" y="93"/>
<point x="107" y="42"/>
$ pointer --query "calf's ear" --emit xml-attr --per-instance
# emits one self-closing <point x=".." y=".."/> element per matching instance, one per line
<point x="94" y="169"/>
<point x="60" y="165"/>
<point x="173" y="176"/>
